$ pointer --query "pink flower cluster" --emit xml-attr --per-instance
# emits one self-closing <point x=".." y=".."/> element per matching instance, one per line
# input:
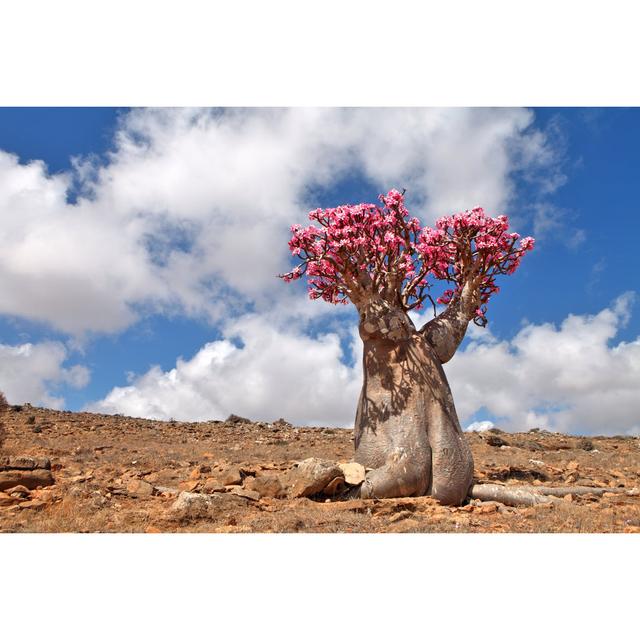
<point x="358" y="250"/>
<point x="472" y="246"/>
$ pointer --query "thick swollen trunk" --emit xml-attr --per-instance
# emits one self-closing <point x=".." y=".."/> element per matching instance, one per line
<point x="406" y="428"/>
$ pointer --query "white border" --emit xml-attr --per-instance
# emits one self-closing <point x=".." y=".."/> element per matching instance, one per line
<point x="330" y="53"/>
<point x="318" y="586"/>
<point x="334" y="53"/>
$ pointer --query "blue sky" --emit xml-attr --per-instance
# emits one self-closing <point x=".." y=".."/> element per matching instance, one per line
<point x="567" y="176"/>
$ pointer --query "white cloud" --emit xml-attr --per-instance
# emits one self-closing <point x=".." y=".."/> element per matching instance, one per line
<point x="259" y="371"/>
<point x="569" y="378"/>
<point x="31" y="372"/>
<point x="482" y="425"/>
<point x="189" y="212"/>
<point x="566" y="378"/>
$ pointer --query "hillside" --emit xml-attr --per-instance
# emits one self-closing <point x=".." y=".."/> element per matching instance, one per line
<point x="120" y="474"/>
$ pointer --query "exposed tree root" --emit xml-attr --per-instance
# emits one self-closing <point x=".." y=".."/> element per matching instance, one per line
<point x="528" y="495"/>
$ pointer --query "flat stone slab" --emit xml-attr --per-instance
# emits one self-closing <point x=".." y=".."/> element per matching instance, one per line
<point x="24" y="463"/>
<point x="29" y="479"/>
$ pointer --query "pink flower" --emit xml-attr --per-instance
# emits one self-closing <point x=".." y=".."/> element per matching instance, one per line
<point x="385" y="242"/>
<point x="526" y="244"/>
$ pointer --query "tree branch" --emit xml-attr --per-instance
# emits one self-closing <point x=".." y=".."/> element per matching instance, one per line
<point x="446" y="331"/>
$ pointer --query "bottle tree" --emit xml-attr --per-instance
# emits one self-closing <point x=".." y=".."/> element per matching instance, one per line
<point x="384" y="262"/>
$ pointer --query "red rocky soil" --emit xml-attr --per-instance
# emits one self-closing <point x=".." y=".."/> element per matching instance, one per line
<point x="119" y="474"/>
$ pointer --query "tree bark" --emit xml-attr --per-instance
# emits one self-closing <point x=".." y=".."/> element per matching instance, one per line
<point x="406" y="427"/>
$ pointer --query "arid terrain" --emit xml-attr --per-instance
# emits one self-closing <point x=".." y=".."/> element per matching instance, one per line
<point x="119" y="474"/>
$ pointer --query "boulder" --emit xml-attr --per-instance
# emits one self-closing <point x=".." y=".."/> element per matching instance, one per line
<point x="211" y="485"/>
<point x="140" y="489"/>
<point x="267" y="486"/>
<point x="311" y="476"/>
<point x="24" y="463"/>
<point x="244" y="493"/>
<point x="191" y="504"/>
<point x="354" y="472"/>
<point x="200" y="505"/>
<point x="495" y="441"/>
<point x="29" y="479"/>
<point x="230" y="475"/>
<point x="281" y="423"/>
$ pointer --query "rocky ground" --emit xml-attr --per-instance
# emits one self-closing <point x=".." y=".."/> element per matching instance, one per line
<point x="119" y="474"/>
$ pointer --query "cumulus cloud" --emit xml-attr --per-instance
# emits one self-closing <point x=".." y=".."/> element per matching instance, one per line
<point x="32" y="372"/>
<point x="257" y="370"/>
<point x="189" y="211"/>
<point x="481" y="425"/>
<point x="571" y="378"/>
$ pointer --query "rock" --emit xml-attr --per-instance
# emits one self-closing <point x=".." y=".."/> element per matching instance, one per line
<point x="244" y="493"/>
<point x="191" y="504"/>
<point x="82" y="477"/>
<point x="78" y="490"/>
<point x="189" y="485"/>
<point x="230" y="475"/>
<point x="354" y="473"/>
<point x="19" y="491"/>
<point x="586" y="445"/>
<point x="334" y="487"/>
<point x="7" y="500"/>
<point x="212" y="486"/>
<point x="167" y="491"/>
<point x="200" y="505"/>
<point x="139" y="488"/>
<point x="29" y="479"/>
<point x="401" y="515"/>
<point x="266" y="486"/>
<point x="495" y="441"/>
<point x="164" y="477"/>
<point x="24" y="463"/>
<point x="311" y="476"/>
<point x="487" y="507"/>
<point x="36" y="505"/>
<point x="234" y="419"/>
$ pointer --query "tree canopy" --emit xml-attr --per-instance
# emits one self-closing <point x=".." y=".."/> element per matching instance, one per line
<point x="356" y="252"/>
